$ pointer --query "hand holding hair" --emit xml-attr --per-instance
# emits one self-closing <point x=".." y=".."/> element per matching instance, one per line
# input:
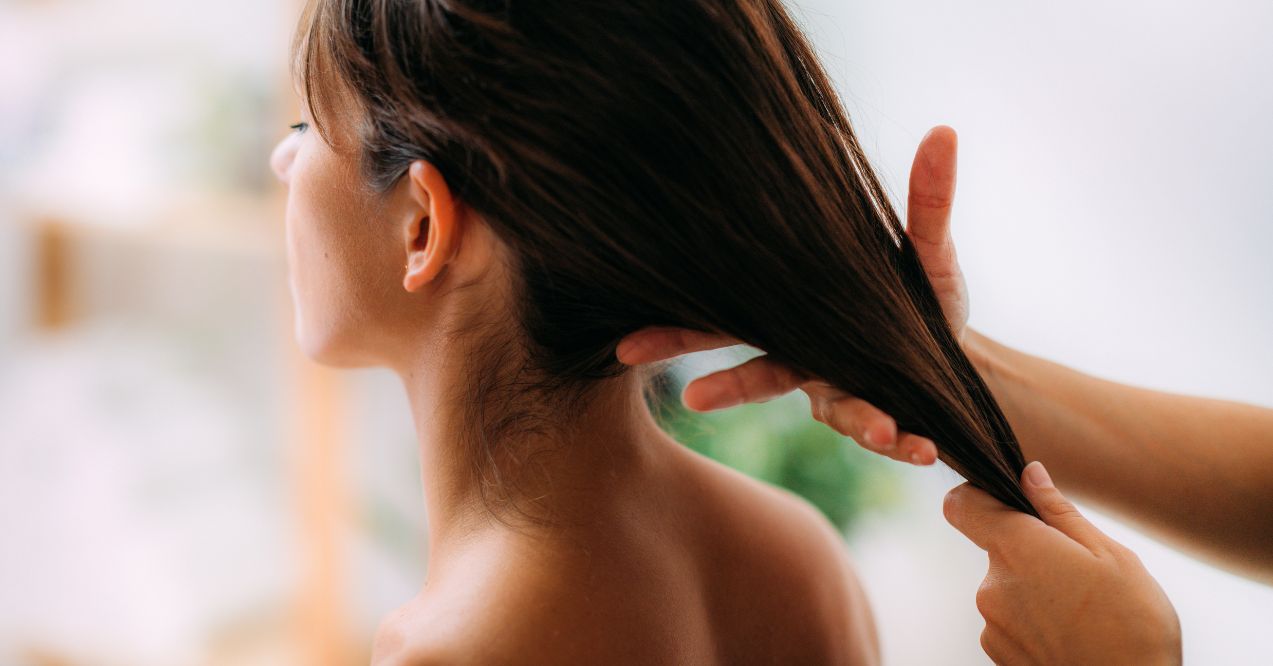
<point x="931" y="195"/>
<point x="1058" y="590"/>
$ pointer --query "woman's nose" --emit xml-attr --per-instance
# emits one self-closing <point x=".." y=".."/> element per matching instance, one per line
<point x="282" y="157"/>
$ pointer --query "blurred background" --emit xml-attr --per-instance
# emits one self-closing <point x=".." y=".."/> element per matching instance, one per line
<point x="179" y="486"/>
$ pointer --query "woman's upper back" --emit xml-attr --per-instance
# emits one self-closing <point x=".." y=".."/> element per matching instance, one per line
<point x="700" y="566"/>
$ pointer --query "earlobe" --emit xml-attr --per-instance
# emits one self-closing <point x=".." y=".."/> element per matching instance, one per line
<point x="430" y="190"/>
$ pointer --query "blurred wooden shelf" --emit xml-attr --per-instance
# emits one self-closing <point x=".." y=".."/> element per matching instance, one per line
<point x="219" y="223"/>
<point x="232" y="228"/>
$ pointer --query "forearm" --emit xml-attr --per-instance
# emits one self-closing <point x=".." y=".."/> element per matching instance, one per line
<point x="1198" y="472"/>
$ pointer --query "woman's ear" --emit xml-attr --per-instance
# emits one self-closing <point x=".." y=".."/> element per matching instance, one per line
<point x="429" y="249"/>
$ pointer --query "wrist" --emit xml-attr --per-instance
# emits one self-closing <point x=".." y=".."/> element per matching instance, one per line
<point x="978" y="349"/>
<point x="995" y="364"/>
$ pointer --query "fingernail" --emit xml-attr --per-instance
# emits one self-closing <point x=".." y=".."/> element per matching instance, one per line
<point x="916" y="459"/>
<point x="1037" y="476"/>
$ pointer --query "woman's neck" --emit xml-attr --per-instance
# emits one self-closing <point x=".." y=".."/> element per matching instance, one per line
<point x="567" y="471"/>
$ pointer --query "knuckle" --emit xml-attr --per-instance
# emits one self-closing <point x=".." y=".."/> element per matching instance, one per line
<point x="952" y="504"/>
<point x="863" y="413"/>
<point x="841" y="418"/>
<point x="785" y="375"/>
<point x="737" y="380"/>
<point x="859" y="408"/>
<point x="1124" y="556"/>
<point x="760" y="379"/>
<point x="1012" y="552"/>
<point x="748" y="383"/>
<point x="748" y="375"/>
<point x="672" y="339"/>
<point x="1061" y="508"/>
<point x="938" y="201"/>
<point x="988" y="643"/>
<point x="823" y="388"/>
<point x="837" y="422"/>
<point x="821" y="412"/>
<point x="769" y="374"/>
<point x="986" y="598"/>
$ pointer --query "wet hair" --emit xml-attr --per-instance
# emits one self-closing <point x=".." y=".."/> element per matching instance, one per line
<point x="683" y="163"/>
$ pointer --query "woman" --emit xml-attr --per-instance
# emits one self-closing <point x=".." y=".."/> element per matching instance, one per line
<point x="486" y="196"/>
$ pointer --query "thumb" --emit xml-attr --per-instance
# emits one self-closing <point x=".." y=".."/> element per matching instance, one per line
<point x="932" y="191"/>
<point x="1057" y="511"/>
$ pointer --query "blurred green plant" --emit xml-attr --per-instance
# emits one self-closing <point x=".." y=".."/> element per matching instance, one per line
<point x="780" y="443"/>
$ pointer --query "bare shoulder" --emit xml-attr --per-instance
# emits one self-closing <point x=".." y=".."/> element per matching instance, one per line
<point x="718" y="568"/>
<point x="779" y="542"/>
<point x="534" y="604"/>
<point x="424" y="633"/>
<point x="788" y="520"/>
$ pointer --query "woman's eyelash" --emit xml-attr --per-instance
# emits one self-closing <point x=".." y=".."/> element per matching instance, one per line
<point x="299" y="127"/>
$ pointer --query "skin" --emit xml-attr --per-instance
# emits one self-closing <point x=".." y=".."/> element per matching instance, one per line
<point x="1061" y="571"/>
<point x="1190" y="470"/>
<point x="643" y="552"/>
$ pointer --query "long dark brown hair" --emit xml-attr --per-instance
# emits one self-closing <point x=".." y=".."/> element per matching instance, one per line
<point x="674" y="162"/>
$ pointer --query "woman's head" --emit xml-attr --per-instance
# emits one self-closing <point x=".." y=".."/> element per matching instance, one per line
<point x="634" y="163"/>
<point x="364" y="263"/>
<point x="622" y="150"/>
